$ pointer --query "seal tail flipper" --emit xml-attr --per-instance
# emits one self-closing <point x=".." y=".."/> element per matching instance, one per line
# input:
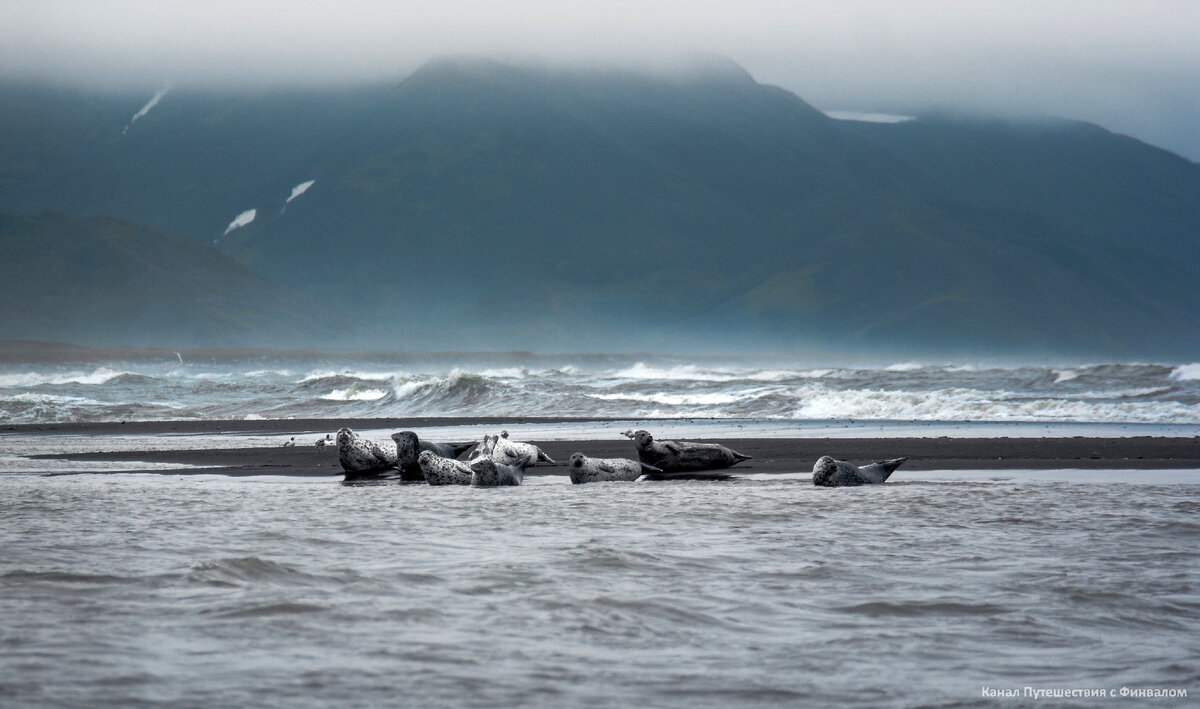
<point x="889" y="466"/>
<point x="648" y="469"/>
<point x="460" y="448"/>
<point x="543" y="458"/>
<point x="738" y="457"/>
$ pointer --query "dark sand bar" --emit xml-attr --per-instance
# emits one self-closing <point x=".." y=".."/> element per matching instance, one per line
<point x="771" y="455"/>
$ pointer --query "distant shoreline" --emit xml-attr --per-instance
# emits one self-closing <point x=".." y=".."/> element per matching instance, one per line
<point x="770" y="455"/>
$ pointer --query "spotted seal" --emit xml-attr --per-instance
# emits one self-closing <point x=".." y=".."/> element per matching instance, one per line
<point x="508" y="451"/>
<point x="488" y="472"/>
<point x="683" y="456"/>
<point x="409" y="448"/>
<point x="362" y="456"/>
<point x="828" y="472"/>
<point x="593" y="470"/>
<point x="439" y="470"/>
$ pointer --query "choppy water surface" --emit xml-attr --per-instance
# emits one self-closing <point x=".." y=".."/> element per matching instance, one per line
<point x="127" y="590"/>
<point x="594" y="386"/>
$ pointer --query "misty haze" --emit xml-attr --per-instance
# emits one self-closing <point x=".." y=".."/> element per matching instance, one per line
<point x="610" y="354"/>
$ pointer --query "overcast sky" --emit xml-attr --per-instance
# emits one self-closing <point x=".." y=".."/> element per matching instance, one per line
<point x="1132" y="66"/>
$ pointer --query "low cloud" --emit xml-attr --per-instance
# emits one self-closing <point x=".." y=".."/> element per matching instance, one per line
<point x="1129" y="66"/>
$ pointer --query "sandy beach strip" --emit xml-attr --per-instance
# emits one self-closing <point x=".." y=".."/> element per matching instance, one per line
<point x="771" y="455"/>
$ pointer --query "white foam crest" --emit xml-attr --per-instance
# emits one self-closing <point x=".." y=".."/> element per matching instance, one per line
<point x="505" y="373"/>
<point x="407" y="389"/>
<point x="31" y="379"/>
<point x="241" y="220"/>
<point x="355" y="393"/>
<point x="904" y="367"/>
<point x="270" y="373"/>
<point x="681" y="372"/>
<point x="974" y="405"/>
<point x="31" y="398"/>
<point x="674" y="399"/>
<point x="1065" y="375"/>
<point x="318" y="374"/>
<point x="1186" y="372"/>
<point x="1122" y="393"/>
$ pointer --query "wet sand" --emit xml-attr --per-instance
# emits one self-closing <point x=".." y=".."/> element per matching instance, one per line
<point x="770" y="455"/>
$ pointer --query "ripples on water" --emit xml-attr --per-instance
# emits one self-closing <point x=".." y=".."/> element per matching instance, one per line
<point x="143" y="591"/>
<point x="594" y="386"/>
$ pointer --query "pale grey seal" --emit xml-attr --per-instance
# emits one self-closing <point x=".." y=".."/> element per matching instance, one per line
<point x="409" y="447"/>
<point x="326" y="441"/>
<point x="362" y="456"/>
<point x="487" y="472"/>
<point x="683" y="456"/>
<point x="828" y="472"/>
<point x="439" y="470"/>
<point x="509" y="452"/>
<point x="593" y="470"/>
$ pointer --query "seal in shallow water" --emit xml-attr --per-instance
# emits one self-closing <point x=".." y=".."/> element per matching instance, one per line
<point x="593" y="470"/>
<point x="487" y="472"/>
<point x="828" y="472"/>
<point x="683" y="456"/>
<point x="439" y="470"/>
<point x="362" y="456"/>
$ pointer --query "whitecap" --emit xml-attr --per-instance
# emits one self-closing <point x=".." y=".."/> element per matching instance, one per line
<point x="1186" y="372"/>
<point x="355" y="393"/>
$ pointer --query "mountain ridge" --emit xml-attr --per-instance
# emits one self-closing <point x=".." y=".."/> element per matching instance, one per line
<point x="481" y="202"/>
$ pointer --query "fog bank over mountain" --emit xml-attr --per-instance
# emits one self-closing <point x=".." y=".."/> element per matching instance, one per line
<point x="485" y="205"/>
<point x="1129" y="66"/>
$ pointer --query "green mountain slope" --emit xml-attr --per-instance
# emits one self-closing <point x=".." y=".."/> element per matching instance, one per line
<point x="105" y="282"/>
<point x="478" y="205"/>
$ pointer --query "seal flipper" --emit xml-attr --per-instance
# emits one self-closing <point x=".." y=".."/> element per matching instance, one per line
<point x="541" y="456"/>
<point x="459" y="448"/>
<point x="880" y="471"/>
<point x="648" y="469"/>
<point x="889" y="466"/>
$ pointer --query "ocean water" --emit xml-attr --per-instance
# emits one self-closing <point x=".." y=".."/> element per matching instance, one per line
<point x="596" y="386"/>
<point x="201" y="591"/>
<point x="122" y="590"/>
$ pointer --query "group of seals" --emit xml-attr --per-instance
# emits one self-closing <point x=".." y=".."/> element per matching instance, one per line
<point x="497" y="461"/>
<point x="500" y="461"/>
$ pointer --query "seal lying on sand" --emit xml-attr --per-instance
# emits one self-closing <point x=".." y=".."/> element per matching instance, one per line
<point x="683" y="456"/>
<point x="439" y="470"/>
<point x="509" y="452"/>
<point x="838" y="473"/>
<point x="362" y="456"/>
<point x="593" y="470"/>
<point x="487" y="472"/>
<point x="409" y="448"/>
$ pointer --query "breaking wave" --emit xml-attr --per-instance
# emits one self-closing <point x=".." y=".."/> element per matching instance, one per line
<point x="600" y="386"/>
